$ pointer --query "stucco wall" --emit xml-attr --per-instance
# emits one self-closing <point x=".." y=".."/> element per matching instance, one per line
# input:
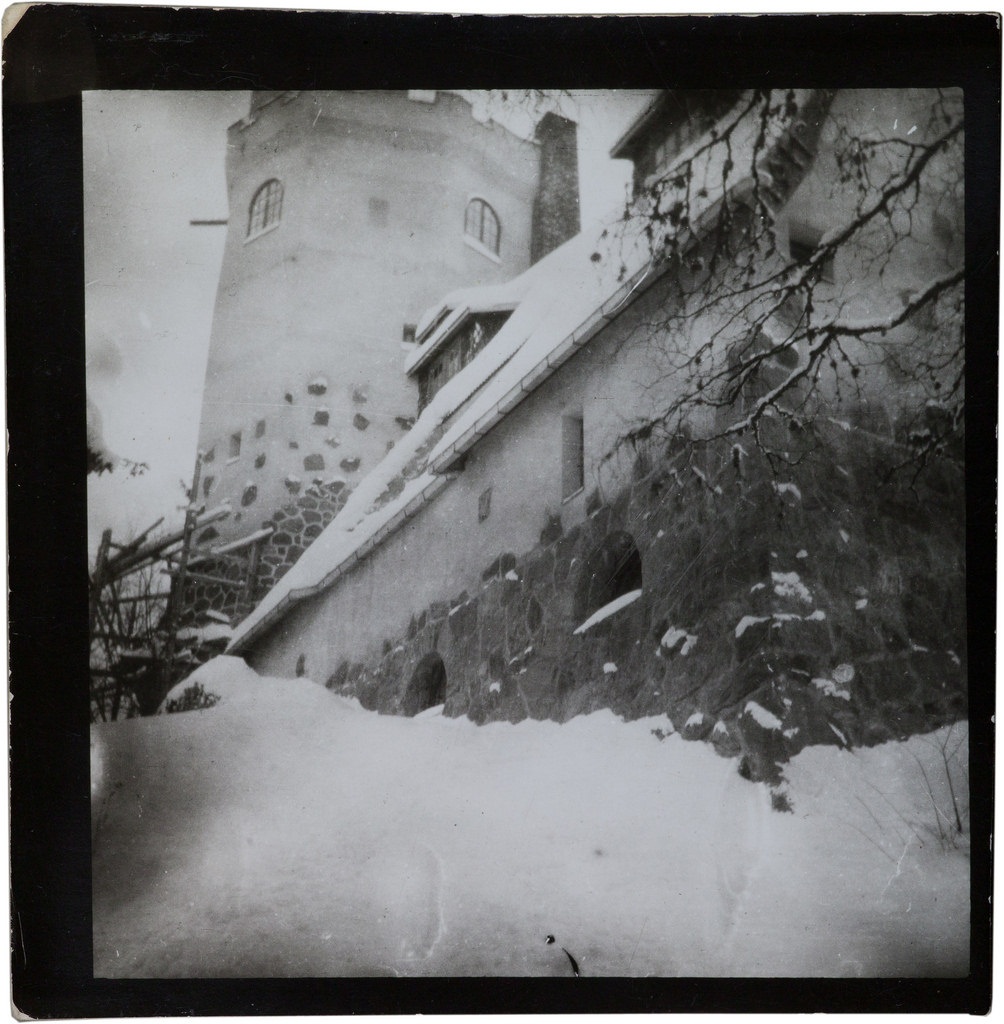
<point x="444" y="548"/>
<point x="374" y="192"/>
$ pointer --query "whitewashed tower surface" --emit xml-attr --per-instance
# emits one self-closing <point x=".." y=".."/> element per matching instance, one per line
<point x="349" y="214"/>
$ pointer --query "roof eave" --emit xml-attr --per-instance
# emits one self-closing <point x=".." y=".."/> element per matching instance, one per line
<point x="240" y="643"/>
<point x="623" y="148"/>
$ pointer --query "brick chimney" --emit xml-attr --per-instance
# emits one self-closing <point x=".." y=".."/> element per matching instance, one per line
<point x="556" y="205"/>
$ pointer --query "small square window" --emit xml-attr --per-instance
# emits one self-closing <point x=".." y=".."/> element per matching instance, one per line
<point x="378" y="212"/>
<point x="209" y="456"/>
<point x="573" y="476"/>
<point x="235" y="445"/>
<point x="259" y="429"/>
<point x="484" y="504"/>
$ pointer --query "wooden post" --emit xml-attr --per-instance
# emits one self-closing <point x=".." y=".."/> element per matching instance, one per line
<point x="97" y="580"/>
<point x="252" y="577"/>
<point x="177" y="602"/>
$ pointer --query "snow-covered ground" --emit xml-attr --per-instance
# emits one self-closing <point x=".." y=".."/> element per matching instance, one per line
<point x="288" y="832"/>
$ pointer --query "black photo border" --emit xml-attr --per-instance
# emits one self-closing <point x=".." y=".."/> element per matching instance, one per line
<point x="51" y="55"/>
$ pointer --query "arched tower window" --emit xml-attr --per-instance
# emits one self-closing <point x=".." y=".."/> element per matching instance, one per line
<point x="481" y="223"/>
<point x="266" y="207"/>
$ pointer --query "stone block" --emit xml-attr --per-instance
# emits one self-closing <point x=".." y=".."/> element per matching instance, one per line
<point x="764" y="746"/>
<point x="538" y="571"/>
<point x="510" y="592"/>
<point x="336" y="681"/>
<point x="697" y="726"/>
<point x="752" y="638"/>
<point x="600" y="524"/>
<point x="463" y="620"/>
<point x="724" y="739"/>
<point x="534" y="615"/>
<point x="552" y="530"/>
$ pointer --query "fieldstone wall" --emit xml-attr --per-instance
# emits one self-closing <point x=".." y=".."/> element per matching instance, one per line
<point x="227" y="599"/>
<point x="295" y="527"/>
<point x="778" y="609"/>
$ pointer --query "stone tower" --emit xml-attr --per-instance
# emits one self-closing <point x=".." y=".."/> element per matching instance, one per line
<point x="350" y="213"/>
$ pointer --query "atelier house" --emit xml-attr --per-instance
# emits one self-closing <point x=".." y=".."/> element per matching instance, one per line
<point x="511" y="556"/>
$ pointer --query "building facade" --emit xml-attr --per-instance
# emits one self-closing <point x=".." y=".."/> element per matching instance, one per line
<point x="350" y="212"/>
<point x="537" y="549"/>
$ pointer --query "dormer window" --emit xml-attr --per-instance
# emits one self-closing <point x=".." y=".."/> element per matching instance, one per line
<point x="803" y="241"/>
<point x="481" y="224"/>
<point x="456" y="350"/>
<point x="266" y="208"/>
<point x="674" y="120"/>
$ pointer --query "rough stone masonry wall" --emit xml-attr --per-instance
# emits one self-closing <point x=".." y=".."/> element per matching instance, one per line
<point x="778" y="610"/>
<point x="296" y="525"/>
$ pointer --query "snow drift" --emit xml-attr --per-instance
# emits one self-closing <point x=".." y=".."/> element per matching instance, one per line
<point x="288" y="832"/>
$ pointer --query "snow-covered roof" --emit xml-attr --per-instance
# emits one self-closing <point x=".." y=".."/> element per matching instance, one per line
<point x="441" y="322"/>
<point x="620" y="149"/>
<point x="560" y="303"/>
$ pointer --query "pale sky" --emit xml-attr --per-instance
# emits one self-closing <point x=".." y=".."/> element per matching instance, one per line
<point x="153" y="161"/>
